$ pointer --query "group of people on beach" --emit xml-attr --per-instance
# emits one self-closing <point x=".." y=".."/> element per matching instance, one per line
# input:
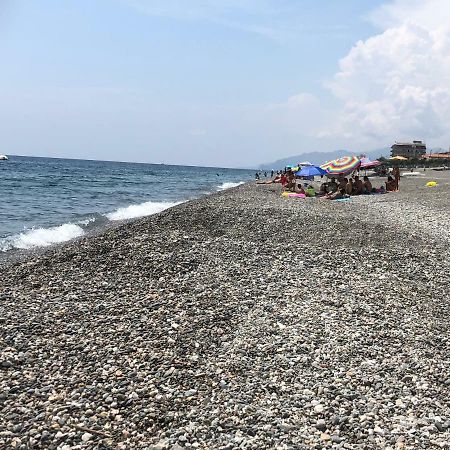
<point x="337" y="187"/>
<point x="343" y="187"/>
<point x="258" y="175"/>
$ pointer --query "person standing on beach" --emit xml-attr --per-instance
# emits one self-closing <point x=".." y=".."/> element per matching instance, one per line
<point x="396" y="173"/>
<point x="283" y="180"/>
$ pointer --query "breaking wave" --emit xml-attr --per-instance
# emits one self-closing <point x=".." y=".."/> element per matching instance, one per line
<point x="41" y="237"/>
<point x="229" y="184"/>
<point x="44" y="237"/>
<point x="140" y="210"/>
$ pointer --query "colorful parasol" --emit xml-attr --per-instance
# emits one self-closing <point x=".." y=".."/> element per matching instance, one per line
<point x="366" y="163"/>
<point x="399" y="158"/>
<point x="342" y="166"/>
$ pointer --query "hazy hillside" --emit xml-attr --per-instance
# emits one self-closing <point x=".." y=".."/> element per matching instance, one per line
<point x="320" y="158"/>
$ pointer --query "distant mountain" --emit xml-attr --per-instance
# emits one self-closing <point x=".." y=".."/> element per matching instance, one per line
<point x="318" y="158"/>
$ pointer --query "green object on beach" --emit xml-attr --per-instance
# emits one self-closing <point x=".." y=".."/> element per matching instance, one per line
<point x="310" y="192"/>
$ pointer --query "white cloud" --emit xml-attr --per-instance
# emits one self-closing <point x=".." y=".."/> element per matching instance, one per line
<point x="396" y="85"/>
<point x="431" y="14"/>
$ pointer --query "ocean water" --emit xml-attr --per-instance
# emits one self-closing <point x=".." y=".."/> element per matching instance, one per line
<point x="46" y="201"/>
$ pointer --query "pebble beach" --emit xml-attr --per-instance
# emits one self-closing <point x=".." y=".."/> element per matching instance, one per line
<point x="241" y="320"/>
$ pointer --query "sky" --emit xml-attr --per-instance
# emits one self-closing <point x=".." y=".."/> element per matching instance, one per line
<point x="230" y="83"/>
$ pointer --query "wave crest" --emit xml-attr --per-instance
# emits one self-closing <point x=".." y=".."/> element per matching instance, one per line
<point x="229" y="185"/>
<point x="41" y="237"/>
<point x="140" y="210"/>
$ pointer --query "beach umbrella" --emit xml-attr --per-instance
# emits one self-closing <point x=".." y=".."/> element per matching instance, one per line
<point x="311" y="171"/>
<point x="305" y="163"/>
<point x="399" y="158"/>
<point x="366" y="163"/>
<point x="341" y="166"/>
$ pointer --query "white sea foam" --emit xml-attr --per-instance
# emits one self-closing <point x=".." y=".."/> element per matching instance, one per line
<point x="229" y="184"/>
<point x="87" y="221"/>
<point x="41" y="237"/>
<point x="140" y="210"/>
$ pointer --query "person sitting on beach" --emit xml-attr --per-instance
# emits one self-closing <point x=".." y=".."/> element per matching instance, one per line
<point x="283" y="180"/>
<point x="277" y="178"/>
<point x="299" y="189"/>
<point x="342" y="183"/>
<point x="340" y="193"/>
<point x="349" y="187"/>
<point x="290" y="185"/>
<point x="391" y="185"/>
<point x="332" y="185"/>
<point x="358" y="186"/>
<point x="367" y="185"/>
<point x="323" y="189"/>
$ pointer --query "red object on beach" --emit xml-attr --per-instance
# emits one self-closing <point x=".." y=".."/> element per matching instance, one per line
<point x="366" y="163"/>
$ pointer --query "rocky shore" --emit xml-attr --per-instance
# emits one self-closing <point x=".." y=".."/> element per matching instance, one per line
<point x="241" y="320"/>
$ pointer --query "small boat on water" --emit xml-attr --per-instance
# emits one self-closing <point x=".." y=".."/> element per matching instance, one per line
<point x="3" y="158"/>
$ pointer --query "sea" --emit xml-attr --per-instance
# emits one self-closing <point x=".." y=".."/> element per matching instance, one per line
<point x="45" y="201"/>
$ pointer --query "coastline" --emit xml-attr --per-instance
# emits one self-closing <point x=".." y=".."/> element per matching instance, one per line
<point x="60" y="200"/>
<point x="112" y="220"/>
<point x="237" y="320"/>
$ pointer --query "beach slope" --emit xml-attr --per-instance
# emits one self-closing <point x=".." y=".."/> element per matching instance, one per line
<point x="239" y="320"/>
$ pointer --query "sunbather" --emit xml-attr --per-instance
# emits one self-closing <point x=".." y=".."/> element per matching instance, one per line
<point x="349" y="187"/>
<point x="332" y="185"/>
<point x="299" y="189"/>
<point x="391" y="185"/>
<point x="340" y="193"/>
<point x="358" y="186"/>
<point x="323" y="189"/>
<point x="367" y="185"/>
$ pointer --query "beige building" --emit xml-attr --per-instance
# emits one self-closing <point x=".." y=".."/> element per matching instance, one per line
<point x="414" y="149"/>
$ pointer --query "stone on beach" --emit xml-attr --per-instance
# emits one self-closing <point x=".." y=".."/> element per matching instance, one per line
<point x="239" y="320"/>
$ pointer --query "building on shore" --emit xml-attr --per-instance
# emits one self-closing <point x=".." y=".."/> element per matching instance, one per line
<point x="414" y="149"/>
<point x="435" y="156"/>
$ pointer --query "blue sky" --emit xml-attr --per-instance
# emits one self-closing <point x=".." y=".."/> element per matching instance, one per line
<point x="208" y="82"/>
